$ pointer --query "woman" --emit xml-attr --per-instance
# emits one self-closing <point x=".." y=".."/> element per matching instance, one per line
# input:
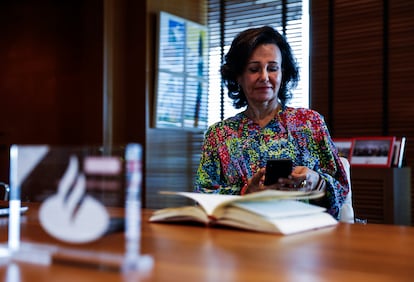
<point x="259" y="72"/>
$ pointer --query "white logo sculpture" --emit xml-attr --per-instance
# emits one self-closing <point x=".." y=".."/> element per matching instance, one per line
<point x="70" y="215"/>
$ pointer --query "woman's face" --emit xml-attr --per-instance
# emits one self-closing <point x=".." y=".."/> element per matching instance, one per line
<point x="262" y="76"/>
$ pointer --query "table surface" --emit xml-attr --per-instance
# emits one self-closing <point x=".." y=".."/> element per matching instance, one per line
<point x="346" y="252"/>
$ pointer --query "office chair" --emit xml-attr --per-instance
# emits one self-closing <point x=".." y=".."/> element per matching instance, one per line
<point x="346" y="214"/>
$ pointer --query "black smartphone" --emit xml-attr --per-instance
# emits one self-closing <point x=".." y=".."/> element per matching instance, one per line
<point x="276" y="169"/>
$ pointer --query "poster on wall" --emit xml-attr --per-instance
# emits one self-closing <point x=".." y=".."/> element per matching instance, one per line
<point x="181" y="79"/>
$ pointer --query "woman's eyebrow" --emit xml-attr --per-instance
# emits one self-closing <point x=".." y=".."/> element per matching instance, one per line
<point x="257" y="62"/>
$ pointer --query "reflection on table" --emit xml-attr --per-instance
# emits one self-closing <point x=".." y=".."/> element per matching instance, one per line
<point x="347" y="252"/>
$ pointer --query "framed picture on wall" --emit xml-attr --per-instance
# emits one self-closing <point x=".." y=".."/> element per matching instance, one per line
<point x="372" y="151"/>
<point x="181" y="76"/>
<point x="344" y="146"/>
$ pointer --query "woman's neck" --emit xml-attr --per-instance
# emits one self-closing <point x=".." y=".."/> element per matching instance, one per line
<point x="262" y="115"/>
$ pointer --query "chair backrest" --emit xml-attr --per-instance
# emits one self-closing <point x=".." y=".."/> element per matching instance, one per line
<point x="346" y="213"/>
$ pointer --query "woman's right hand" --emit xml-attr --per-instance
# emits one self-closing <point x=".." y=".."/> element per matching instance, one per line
<point x="255" y="183"/>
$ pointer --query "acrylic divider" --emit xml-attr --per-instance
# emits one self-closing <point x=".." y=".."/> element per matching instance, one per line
<point x="131" y="261"/>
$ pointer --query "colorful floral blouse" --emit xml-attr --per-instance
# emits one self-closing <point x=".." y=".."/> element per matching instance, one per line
<point x="234" y="149"/>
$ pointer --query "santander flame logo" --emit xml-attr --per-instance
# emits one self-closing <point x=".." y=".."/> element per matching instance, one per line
<point x="71" y="215"/>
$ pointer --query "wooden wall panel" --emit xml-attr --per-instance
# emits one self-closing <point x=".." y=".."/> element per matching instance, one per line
<point x="381" y="195"/>
<point x="50" y="74"/>
<point x="401" y="68"/>
<point x="319" y="60"/>
<point x="371" y="65"/>
<point x="357" y="67"/>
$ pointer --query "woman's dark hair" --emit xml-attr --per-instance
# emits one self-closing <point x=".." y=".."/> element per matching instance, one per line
<point x="240" y="52"/>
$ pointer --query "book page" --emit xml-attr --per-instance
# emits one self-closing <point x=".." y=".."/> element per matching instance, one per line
<point x="278" y="208"/>
<point x="187" y="213"/>
<point x="279" y="194"/>
<point x="212" y="202"/>
<point x="260" y="215"/>
<point x="209" y="202"/>
<point x="275" y="216"/>
<point x="288" y="225"/>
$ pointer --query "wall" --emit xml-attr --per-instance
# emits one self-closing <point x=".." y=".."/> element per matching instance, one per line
<point x="53" y="58"/>
<point x="50" y="74"/>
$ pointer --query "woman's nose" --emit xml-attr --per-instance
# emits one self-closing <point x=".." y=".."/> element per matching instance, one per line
<point x="264" y="76"/>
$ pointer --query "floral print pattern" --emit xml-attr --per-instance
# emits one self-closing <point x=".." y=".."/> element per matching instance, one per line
<point x="234" y="149"/>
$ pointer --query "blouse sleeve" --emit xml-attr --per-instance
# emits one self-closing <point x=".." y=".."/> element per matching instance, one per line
<point x="209" y="178"/>
<point x="329" y="167"/>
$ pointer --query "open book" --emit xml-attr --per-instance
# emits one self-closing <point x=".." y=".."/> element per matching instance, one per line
<point x="267" y="211"/>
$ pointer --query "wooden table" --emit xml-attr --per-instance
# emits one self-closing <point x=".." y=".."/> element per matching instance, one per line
<point x="347" y="252"/>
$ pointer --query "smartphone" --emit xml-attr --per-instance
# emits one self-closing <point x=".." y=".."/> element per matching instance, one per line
<point x="276" y="169"/>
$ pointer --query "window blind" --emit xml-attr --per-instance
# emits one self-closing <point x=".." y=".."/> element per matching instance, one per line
<point x="227" y="18"/>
